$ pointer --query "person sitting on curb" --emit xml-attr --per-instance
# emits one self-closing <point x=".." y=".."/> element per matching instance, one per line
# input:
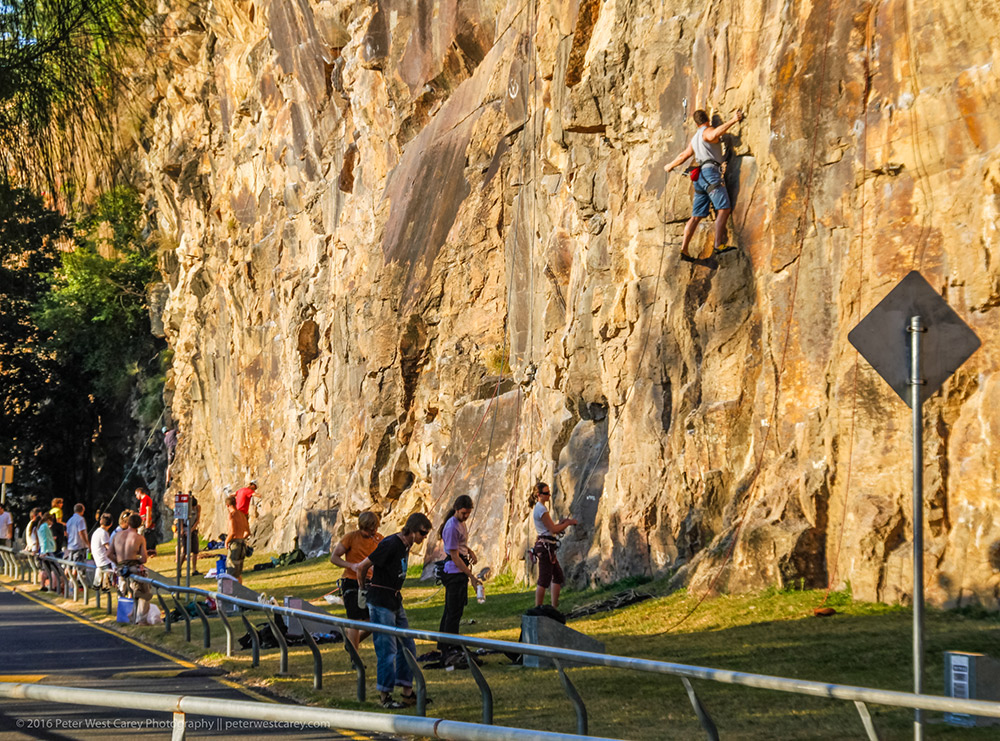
<point x="385" y="607"/>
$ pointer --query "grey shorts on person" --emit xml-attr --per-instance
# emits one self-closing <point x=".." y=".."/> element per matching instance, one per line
<point x="237" y="552"/>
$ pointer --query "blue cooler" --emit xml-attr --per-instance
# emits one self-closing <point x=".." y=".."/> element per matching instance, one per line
<point x="125" y="607"/>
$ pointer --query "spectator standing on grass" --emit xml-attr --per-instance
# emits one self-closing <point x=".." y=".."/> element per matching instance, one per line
<point x="550" y="573"/>
<point x="236" y="539"/>
<point x="457" y="572"/>
<point x="385" y="607"/>
<point x="194" y="518"/>
<point x="76" y="535"/>
<point x="243" y="497"/>
<point x="146" y="512"/>
<point x="355" y="547"/>
<point x="128" y="552"/>
<point x="100" y="542"/>
<point x="6" y="527"/>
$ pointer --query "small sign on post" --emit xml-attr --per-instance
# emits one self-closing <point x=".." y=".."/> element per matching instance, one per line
<point x="915" y="341"/>
<point x="181" y="506"/>
<point x="6" y="477"/>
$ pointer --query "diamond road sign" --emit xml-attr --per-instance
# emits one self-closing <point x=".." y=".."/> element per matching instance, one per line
<point x="883" y="340"/>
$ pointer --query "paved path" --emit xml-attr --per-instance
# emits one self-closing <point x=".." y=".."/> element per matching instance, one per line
<point x="40" y="643"/>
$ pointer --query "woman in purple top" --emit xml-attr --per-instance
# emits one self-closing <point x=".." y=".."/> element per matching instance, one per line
<point x="457" y="572"/>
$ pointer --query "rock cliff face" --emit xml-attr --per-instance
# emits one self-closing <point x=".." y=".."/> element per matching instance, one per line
<point x="427" y="247"/>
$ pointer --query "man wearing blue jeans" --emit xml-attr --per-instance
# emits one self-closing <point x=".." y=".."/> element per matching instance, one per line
<point x="385" y="607"/>
<point x="706" y="147"/>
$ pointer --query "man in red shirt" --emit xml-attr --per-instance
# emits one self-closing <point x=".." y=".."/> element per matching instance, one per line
<point x="145" y="506"/>
<point x="243" y="497"/>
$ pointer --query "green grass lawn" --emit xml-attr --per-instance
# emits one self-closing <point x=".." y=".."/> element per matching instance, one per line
<point x="773" y="632"/>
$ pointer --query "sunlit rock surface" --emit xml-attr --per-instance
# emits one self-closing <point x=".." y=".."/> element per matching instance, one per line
<point x="421" y="249"/>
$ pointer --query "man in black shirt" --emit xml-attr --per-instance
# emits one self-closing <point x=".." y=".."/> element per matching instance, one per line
<point x="385" y="607"/>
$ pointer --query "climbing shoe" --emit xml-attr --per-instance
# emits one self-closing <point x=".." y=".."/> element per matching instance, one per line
<point x="723" y="249"/>
<point x="687" y="258"/>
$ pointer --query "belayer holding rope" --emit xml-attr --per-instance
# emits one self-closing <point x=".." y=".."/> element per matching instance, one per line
<point x="457" y="569"/>
<point x="550" y="573"/>
<point x="709" y="188"/>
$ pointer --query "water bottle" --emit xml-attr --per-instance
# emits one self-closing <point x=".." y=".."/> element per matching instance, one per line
<point x="480" y="594"/>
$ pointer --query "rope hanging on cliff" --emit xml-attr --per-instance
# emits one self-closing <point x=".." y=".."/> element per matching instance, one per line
<point x="504" y="358"/>
<point x="135" y="462"/>
<point x="751" y="488"/>
<point x="832" y="578"/>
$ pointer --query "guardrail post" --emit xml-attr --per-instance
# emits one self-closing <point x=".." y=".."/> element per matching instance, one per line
<point x="282" y="644"/>
<point x="866" y="719"/>
<point x="185" y="616"/>
<point x="419" y="685"/>
<point x="83" y="583"/>
<point x="206" y="628"/>
<point x="484" y="687"/>
<point x="179" y="727"/>
<point x="166" y="611"/>
<point x="110" y="593"/>
<point x="254" y="640"/>
<point x="34" y="566"/>
<point x="703" y="717"/>
<point x="358" y="664"/>
<point x="574" y="696"/>
<point x="317" y="660"/>
<point x="225" y="624"/>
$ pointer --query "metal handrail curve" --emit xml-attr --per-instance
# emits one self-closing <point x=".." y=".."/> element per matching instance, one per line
<point x="300" y="715"/>
<point x="848" y="693"/>
<point x="745" y="679"/>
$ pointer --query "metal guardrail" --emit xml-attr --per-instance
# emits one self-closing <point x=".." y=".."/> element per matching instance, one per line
<point x="860" y="696"/>
<point x="296" y="716"/>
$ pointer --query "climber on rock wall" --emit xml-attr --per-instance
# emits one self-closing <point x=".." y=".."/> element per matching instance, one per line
<point x="706" y="147"/>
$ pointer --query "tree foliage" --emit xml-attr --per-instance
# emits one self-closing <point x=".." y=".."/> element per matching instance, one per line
<point x="97" y="313"/>
<point x="61" y="65"/>
<point x="76" y="352"/>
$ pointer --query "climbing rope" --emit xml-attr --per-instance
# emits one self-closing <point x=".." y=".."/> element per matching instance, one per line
<point x="832" y="579"/>
<point x="751" y="488"/>
<point x="505" y="353"/>
<point x="135" y="462"/>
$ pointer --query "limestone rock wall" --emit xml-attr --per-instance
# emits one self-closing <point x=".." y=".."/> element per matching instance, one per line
<point x="426" y="247"/>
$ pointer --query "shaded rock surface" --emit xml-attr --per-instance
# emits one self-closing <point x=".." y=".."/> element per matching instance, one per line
<point x="426" y="249"/>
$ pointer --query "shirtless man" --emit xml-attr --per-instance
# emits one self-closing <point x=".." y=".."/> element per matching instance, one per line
<point x="128" y="549"/>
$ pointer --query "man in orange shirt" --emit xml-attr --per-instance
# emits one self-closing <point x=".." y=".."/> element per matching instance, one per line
<point x="349" y="552"/>
<point x="236" y="539"/>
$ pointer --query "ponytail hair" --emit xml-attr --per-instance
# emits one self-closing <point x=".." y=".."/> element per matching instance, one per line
<point x="463" y="501"/>
<point x="536" y="490"/>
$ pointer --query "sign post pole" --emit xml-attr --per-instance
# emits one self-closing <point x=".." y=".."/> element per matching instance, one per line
<point x="915" y="341"/>
<point x="915" y="329"/>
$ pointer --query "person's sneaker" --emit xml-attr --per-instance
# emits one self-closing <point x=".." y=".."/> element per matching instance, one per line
<point x="723" y="249"/>
<point x="390" y="703"/>
<point x="411" y="700"/>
